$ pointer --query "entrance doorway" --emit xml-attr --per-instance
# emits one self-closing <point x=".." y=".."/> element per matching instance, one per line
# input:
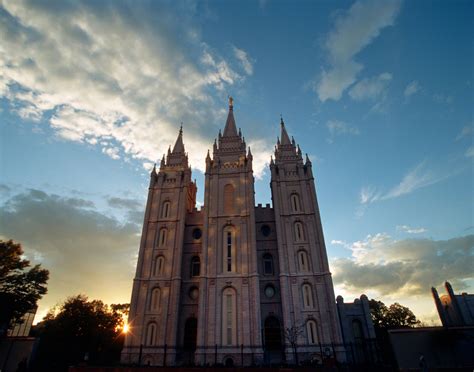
<point x="273" y="341"/>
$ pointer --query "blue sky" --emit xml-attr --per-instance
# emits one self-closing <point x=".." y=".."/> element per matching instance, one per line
<point x="379" y="94"/>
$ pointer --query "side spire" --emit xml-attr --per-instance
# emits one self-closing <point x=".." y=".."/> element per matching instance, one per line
<point x="230" y="129"/>
<point x="285" y="139"/>
<point x="179" y="145"/>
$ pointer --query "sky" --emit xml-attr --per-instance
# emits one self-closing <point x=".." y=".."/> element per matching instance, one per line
<point x="378" y="93"/>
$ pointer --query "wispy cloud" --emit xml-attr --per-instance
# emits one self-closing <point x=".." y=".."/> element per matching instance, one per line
<point x="411" y="230"/>
<point x="338" y="128"/>
<point x="411" y="88"/>
<point x="354" y="29"/>
<point x="465" y="132"/>
<point x="470" y="152"/>
<point x="371" y="88"/>
<point x="107" y="71"/>
<point x="244" y="59"/>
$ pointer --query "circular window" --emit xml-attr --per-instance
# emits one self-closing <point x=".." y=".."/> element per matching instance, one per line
<point x="269" y="291"/>
<point x="265" y="229"/>
<point x="197" y="233"/>
<point x="194" y="293"/>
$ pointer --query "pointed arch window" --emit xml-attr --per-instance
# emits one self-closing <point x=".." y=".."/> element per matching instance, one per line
<point x="307" y="296"/>
<point x="195" y="266"/>
<point x="155" y="299"/>
<point x="303" y="261"/>
<point x="159" y="266"/>
<point x="267" y="264"/>
<point x="299" y="232"/>
<point x="165" y="209"/>
<point x="162" y="237"/>
<point x="229" y="317"/>
<point x="229" y="199"/>
<point x="150" y="334"/>
<point x="295" y="203"/>
<point x="229" y="250"/>
<point x="312" y="333"/>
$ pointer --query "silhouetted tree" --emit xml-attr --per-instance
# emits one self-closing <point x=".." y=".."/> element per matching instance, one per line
<point x="394" y="316"/>
<point x="80" y="328"/>
<point x="291" y="335"/>
<point x="20" y="288"/>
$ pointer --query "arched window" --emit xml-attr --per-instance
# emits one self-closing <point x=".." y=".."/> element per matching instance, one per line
<point x="295" y="203"/>
<point x="307" y="296"/>
<point x="155" y="299"/>
<point x="165" y="209"/>
<point x="303" y="261"/>
<point x="299" y="232"/>
<point x="195" y="266"/>
<point x="229" y="317"/>
<point x="357" y="330"/>
<point x="229" y="250"/>
<point x="267" y="264"/>
<point x="150" y="334"/>
<point x="162" y="237"/>
<point x="312" y="332"/>
<point x="159" y="266"/>
<point x="229" y="199"/>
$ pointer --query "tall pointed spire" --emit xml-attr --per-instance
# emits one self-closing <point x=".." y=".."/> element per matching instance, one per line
<point x="230" y="129"/>
<point x="285" y="139"/>
<point x="179" y="146"/>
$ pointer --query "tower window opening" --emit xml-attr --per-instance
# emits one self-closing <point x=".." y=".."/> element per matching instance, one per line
<point x="267" y="264"/>
<point x="195" y="266"/>
<point x="229" y="251"/>
<point x="165" y="212"/>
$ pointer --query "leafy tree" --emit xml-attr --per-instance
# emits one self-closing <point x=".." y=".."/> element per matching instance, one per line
<point x="20" y="288"/>
<point x="80" y="328"/>
<point x="394" y="316"/>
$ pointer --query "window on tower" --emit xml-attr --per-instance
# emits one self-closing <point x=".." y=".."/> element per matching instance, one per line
<point x="155" y="299"/>
<point x="229" y="199"/>
<point x="162" y="237"/>
<point x="229" y="250"/>
<point x="159" y="266"/>
<point x="311" y="330"/>
<point x="267" y="264"/>
<point x="303" y="261"/>
<point x="307" y="296"/>
<point x="229" y="330"/>
<point x="295" y="203"/>
<point x="299" y="232"/>
<point x="195" y="266"/>
<point x="165" y="209"/>
<point x="150" y="334"/>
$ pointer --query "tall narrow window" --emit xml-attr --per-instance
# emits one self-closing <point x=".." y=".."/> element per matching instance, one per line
<point x="307" y="296"/>
<point x="303" y="260"/>
<point x="195" y="266"/>
<point x="357" y="330"/>
<point x="229" y="199"/>
<point x="267" y="264"/>
<point x="165" y="210"/>
<point x="159" y="266"/>
<point x="312" y="332"/>
<point x="155" y="299"/>
<point x="228" y="250"/>
<point x="162" y="237"/>
<point x="295" y="203"/>
<point x="229" y="329"/>
<point x="150" y="334"/>
<point x="299" y="232"/>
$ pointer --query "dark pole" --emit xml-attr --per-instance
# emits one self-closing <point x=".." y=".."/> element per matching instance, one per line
<point x="140" y="355"/>
<point x="215" y="355"/>
<point x="164" y="356"/>
<point x="242" y="355"/>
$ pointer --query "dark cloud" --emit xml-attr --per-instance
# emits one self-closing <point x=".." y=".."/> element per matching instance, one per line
<point x="405" y="267"/>
<point x="85" y="250"/>
<point x="122" y="203"/>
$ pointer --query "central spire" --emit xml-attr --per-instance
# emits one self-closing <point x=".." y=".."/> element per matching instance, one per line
<point x="230" y="129"/>
<point x="285" y="139"/>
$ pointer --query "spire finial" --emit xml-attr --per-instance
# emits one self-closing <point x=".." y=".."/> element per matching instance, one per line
<point x="231" y="102"/>
<point x="281" y="119"/>
<point x="181" y="128"/>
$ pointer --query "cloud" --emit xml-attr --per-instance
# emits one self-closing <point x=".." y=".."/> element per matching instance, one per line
<point x="465" y="132"/>
<point x="406" y="267"/>
<point x="371" y="88"/>
<point x="470" y="152"/>
<point x="78" y="244"/>
<point x="443" y="98"/>
<point x="244" y="59"/>
<point x="354" y="29"/>
<point x="368" y="195"/>
<point x="411" y="88"/>
<point x="109" y="71"/>
<point x="123" y="203"/>
<point x="411" y="230"/>
<point x="337" y="128"/>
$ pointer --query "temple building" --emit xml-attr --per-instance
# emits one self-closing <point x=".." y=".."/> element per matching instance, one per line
<point x="233" y="283"/>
